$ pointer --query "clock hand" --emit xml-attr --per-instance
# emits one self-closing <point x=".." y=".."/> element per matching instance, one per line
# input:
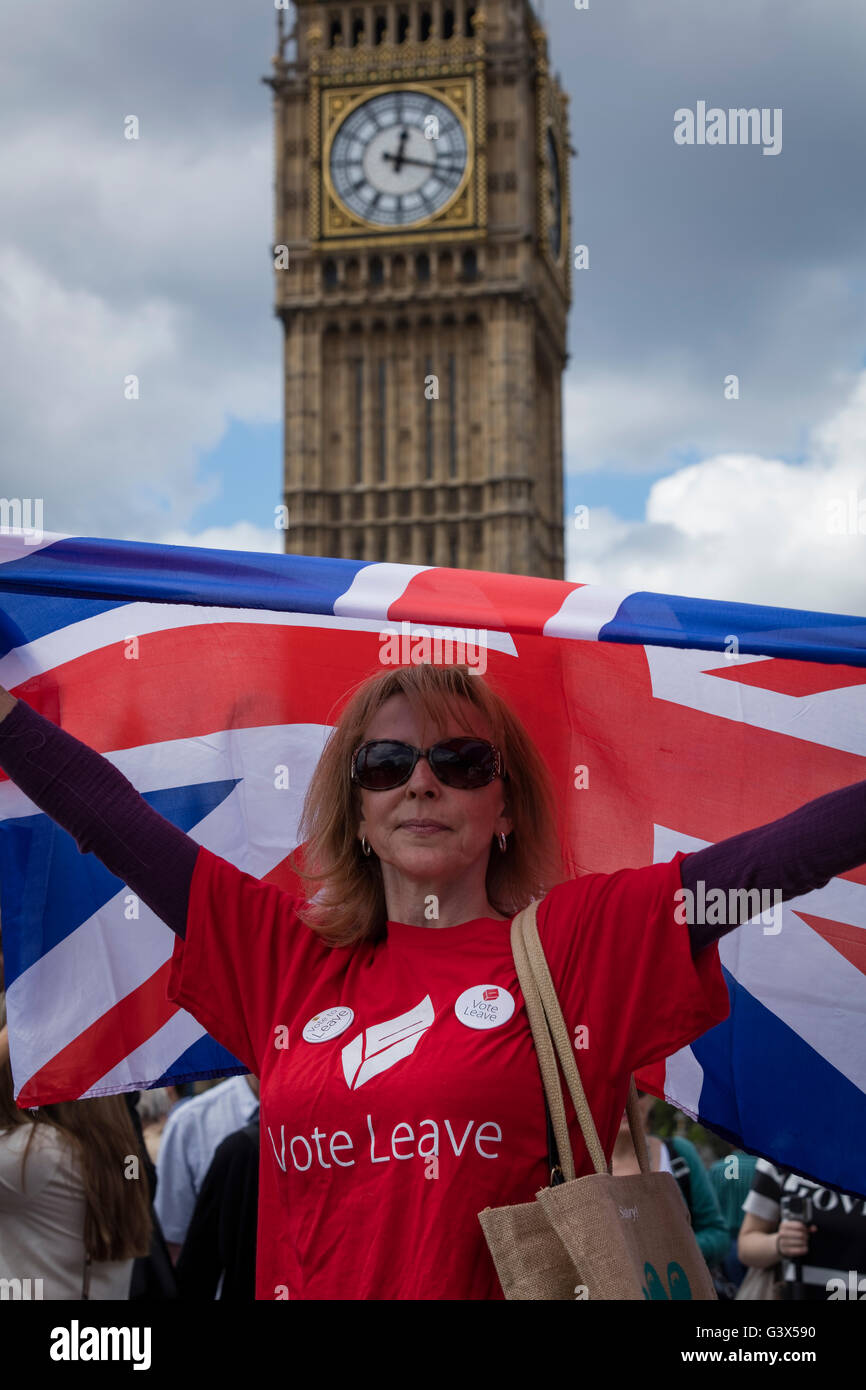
<point x="423" y="163"/>
<point x="404" y="136"/>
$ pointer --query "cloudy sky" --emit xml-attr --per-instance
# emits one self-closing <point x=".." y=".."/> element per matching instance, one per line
<point x="152" y="257"/>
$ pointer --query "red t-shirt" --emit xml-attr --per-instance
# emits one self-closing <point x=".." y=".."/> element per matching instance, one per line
<point x="400" y="1091"/>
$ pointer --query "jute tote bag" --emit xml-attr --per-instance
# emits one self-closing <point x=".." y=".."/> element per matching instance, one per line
<point x="596" y="1237"/>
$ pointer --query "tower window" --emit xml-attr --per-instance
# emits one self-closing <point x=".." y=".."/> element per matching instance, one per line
<point x="402" y="26"/>
<point x="448" y="24"/>
<point x="426" y="24"/>
<point x="430" y="560"/>
<point x="359" y="419"/>
<point x="422" y="267"/>
<point x="470" y="264"/>
<point x="470" y="17"/>
<point x="428" y="423"/>
<point x="382" y="411"/>
<point x="380" y="29"/>
<point x="453" y="549"/>
<point x="377" y="270"/>
<point x="357" y="30"/>
<point x="452" y="415"/>
<point x="329" y="275"/>
<point x="353" y="274"/>
<point x="336" y="35"/>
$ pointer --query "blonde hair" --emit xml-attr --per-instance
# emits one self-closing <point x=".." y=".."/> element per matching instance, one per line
<point x="350" y="906"/>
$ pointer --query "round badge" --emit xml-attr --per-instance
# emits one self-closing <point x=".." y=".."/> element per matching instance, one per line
<point x="484" y="1006"/>
<point x="330" y="1023"/>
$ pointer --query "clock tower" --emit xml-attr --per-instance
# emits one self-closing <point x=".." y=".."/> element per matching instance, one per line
<point x="423" y="281"/>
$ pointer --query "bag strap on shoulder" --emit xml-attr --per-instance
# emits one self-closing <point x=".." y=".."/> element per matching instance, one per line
<point x="549" y="1031"/>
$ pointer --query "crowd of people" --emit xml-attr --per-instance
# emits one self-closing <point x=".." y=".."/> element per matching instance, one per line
<point x="70" y="1218"/>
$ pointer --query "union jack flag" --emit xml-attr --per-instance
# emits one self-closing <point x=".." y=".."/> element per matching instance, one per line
<point x="201" y="673"/>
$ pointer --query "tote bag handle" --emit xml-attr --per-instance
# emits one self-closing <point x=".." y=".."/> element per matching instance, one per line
<point x="548" y="1032"/>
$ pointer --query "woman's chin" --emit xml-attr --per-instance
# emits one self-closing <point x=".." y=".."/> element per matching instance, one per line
<point x="425" y="861"/>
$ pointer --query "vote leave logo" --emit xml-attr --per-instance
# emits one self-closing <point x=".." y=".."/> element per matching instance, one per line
<point x="384" y="1044"/>
<point x="484" y="1006"/>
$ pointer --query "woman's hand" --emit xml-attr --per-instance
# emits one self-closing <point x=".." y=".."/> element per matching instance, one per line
<point x="7" y="702"/>
<point x="792" y="1238"/>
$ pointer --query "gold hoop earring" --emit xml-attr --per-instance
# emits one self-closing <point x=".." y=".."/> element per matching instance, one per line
<point x="364" y="845"/>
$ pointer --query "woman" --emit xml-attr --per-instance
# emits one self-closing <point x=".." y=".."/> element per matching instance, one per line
<point x="71" y="1217"/>
<point x="400" y="1092"/>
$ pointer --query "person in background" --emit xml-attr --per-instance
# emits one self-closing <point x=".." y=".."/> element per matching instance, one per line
<point x="821" y="1259"/>
<point x="218" y="1259"/>
<point x="154" y="1107"/>
<point x="152" y="1274"/>
<point x="189" y="1140"/>
<point x="731" y="1178"/>
<point x="707" y="1224"/>
<point x="71" y="1213"/>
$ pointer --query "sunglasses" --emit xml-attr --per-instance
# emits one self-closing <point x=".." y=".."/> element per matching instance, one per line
<point x="466" y="763"/>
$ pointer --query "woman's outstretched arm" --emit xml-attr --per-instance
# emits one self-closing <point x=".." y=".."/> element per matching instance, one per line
<point x="87" y="795"/>
<point x="792" y="855"/>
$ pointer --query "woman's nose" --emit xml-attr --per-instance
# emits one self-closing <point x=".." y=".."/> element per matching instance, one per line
<point x="423" y="777"/>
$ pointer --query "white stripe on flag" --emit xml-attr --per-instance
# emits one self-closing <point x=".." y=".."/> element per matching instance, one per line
<point x="140" y="619"/>
<point x="795" y="973"/>
<point x="684" y="1077"/>
<point x="141" y="1067"/>
<point x="375" y="588"/>
<point x="107" y="957"/>
<point x="585" y="612"/>
<point x="834" y="718"/>
<point x="13" y="545"/>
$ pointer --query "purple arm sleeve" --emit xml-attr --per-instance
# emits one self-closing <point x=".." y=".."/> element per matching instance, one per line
<point x="793" y="855"/>
<point x="86" y="795"/>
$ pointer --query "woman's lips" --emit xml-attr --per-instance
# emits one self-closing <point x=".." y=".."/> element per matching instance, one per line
<point x="423" y="829"/>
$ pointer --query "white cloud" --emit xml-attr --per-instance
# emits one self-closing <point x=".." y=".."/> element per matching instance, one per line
<point x="131" y="259"/>
<point x="242" y="535"/>
<point x="746" y="528"/>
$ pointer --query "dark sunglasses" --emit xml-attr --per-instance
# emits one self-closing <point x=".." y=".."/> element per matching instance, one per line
<point x="466" y="763"/>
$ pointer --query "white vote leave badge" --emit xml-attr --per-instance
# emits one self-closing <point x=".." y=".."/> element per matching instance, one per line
<point x="484" y="1006"/>
<point x="330" y="1023"/>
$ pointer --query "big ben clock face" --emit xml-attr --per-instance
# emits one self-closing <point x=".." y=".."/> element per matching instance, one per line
<point x="398" y="158"/>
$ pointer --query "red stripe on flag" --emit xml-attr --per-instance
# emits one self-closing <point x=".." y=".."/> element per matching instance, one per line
<point x="500" y="602"/>
<point x="199" y="680"/>
<point x="849" y="941"/>
<point x="797" y="678"/>
<point x="103" y="1046"/>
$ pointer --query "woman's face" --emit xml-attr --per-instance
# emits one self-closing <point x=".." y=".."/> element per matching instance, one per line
<point x="469" y="819"/>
